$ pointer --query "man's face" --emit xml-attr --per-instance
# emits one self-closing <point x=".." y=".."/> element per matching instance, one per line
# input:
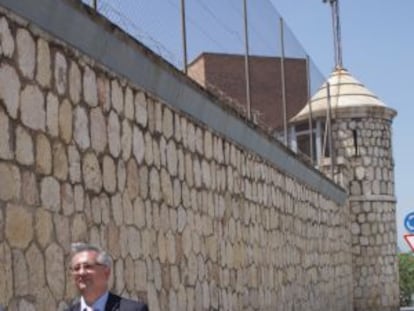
<point x="91" y="278"/>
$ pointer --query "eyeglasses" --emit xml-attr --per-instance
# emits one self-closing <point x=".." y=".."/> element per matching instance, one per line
<point x="86" y="266"/>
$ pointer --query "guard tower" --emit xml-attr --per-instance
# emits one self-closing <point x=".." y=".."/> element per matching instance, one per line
<point x="346" y="130"/>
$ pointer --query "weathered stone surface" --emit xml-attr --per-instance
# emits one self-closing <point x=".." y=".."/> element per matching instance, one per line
<point x="121" y="175"/>
<point x="149" y="158"/>
<point x="50" y="193"/>
<point x="79" y="228"/>
<point x="143" y="182"/>
<point x="126" y="140"/>
<point x="117" y="97"/>
<point x="129" y="104"/>
<point x="10" y="182"/>
<point x="166" y="188"/>
<point x="6" y="281"/>
<point x="208" y="145"/>
<point x="81" y="131"/>
<point x="114" y="134"/>
<point x="10" y="89"/>
<point x="167" y="123"/>
<point x="79" y="198"/>
<point x="32" y="107"/>
<point x="138" y="145"/>
<point x="140" y="275"/>
<point x="132" y="182"/>
<point x="90" y="91"/>
<point x="109" y="174"/>
<point x="75" y="82"/>
<point x="6" y="150"/>
<point x="60" y="74"/>
<point x="6" y="39"/>
<point x="43" y="71"/>
<point x="74" y="164"/>
<point x="141" y="114"/>
<point x="154" y="185"/>
<point x="92" y="176"/>
<point x="98" y="130"/>
<point x="20" y="273"/>
<point x="67" y="198"/>
<point x="60" y="161"/>
<point x="52" y="114"/>
<point x="43" y="227"/>
<point x="26" y="51"/>
<point x="65" y="121"/>
<point x="55" y="274"/>
<point x="24" y="147"/>
<point x="63" y="233"/>
<point x="104" y="93"/>
<point x="127" y="210"/>
<point x="29" y="188"/>
<point x="171" y="157"/>
<point x="36" y="268"/>
<point x="19" y="226"/>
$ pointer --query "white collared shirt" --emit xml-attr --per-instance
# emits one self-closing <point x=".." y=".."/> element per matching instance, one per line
<point x="98" y="305"/>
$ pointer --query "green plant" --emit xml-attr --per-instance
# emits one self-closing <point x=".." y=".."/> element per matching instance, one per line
<point x="406" y="269"/>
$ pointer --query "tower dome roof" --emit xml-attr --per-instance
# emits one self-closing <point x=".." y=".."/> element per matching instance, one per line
<point x="347" y="95"/>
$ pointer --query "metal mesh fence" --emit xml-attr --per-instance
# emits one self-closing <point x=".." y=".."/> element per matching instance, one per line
<point x="263" y="70"/>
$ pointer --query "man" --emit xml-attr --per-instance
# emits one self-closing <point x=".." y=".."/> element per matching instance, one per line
<point x="91" y="267"/>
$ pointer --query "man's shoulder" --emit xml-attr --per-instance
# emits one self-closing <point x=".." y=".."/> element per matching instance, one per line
<point x="127" y="304"/>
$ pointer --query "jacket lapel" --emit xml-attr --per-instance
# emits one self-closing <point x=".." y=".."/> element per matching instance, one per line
<point x="113" y="302"/>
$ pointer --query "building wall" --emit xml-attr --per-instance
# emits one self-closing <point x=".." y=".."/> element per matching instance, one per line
<point x="193" y="220"/>
<point x="225" y="73"/>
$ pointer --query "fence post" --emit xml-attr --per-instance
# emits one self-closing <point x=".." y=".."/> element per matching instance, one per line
<point x="246" y="62"/>
<point x="184" y="36"/>
<point x="282" y="73"/>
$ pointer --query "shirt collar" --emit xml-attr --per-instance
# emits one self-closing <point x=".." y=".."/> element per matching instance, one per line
<point x="99" y="303"/>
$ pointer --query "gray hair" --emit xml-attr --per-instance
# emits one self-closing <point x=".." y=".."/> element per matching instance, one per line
<point x="102" y="258"/>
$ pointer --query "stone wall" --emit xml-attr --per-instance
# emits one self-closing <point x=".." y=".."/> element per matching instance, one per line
<point x="193" y="220"/>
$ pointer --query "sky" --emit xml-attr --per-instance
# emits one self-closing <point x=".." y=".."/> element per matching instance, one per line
<point x="378" y="50"/>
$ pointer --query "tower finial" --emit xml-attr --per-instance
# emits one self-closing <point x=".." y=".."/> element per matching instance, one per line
<point x="337" y="32"/>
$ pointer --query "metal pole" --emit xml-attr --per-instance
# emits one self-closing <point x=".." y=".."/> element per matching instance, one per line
<point x="330" y="142"/>
<point x="246" y="62"/>
<point x="310" y="120"/>
<point x="184" y="35"/>
<point x="95" y="4"/>
<point x="282" y="73"/>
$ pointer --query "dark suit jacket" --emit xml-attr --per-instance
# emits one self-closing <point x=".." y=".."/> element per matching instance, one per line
<point x="116" y="303"/>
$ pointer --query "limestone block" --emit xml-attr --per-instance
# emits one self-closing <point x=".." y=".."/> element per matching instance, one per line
<point x="10" y="182"/>
<point x="20" y="273"/>
<point x="114" y="134"/>
<point x="43" y="72"/>
<point x="6" y="151"/>
<point x="139" y="213"/>
<point x="154" y="184"/>
<point x="153" y="297"/>
<point x="26" y="52"/>
<point x="6" y="281"/>
<point x="75" y="82"/>
<point x="60" y="161"/>
<point x="90" y="91"/>
<point x="190" y="136"/>
<point x="127" y="209"/>
<point x="117" y="211"/>
<point x="167" y="123"/>
<point x="166" y="188"/>
<point x="43" y="227"/>
<point x="189" y="170"/>
<point x="171" y="247"/>
<point x="104" y="91"/>
<point x="119" y="275"/>
<point x="132" y="182"/>
<point x="50" y="193"/>
<point x="19" y="226"/>
<point x="96" y="210"/>
<point x="157" y="117"/>
<point x="140" y="275"/>
<point x="98" y="130"/>
<point x="67" y="198"/>
<point x="138" y="145"/>
<point x="55" y="273"/>
<point x="117" y="97"/>
<point x="109" y="174"/>
<point x="6" y="39"/>
<point x="182" y="298"/>
<point x="9" y="89"/>
<point x="33" y="113"/>
<point x="177" y="128"/>
<point x="197" y="172"/>
<point x="148" y="154"/>
<point x="134" y="242"/>
<point x="74" y="164"/>
<point x="129" y="104"/>
<point x="81" y="130"/>
<point x="126" y="140"/>
<point x="171" y="158"/>
<point x="143" y="182"/>
<point x="63" y="233"/>
<point x="205" y="174"/>
<point x="29" y="188"/>
<point x="121" y="175"/>
<point x="208" y="145"/>
<point x="78" y="198"/>
<point x="65" y="121"/>
<point x="36" y="268"/>
<point x="91" y="171"/>
<point x="129" y="275"/>
<point x="199" y="143"/>
<point x="79" y="228"/>
<point x="52" y="114"/>
<point x="60" y="74"/>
